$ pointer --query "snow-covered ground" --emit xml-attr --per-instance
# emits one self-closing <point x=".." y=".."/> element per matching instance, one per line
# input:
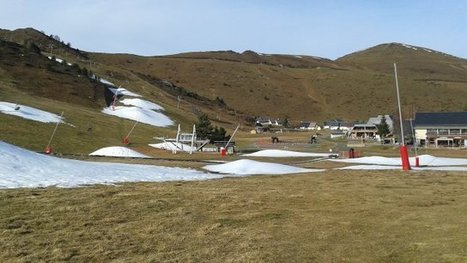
<point x="173" y="146"/>
<point x="29" y="113"/>
<point x="282" y="153"/>
<point x="123" y="91"/>
<point x="143" y="111"/>
<point x="142" y="104"/>
<point x="118" y="151"/>
<point x="427" y="162"/>
<point x="138" y="114"/>
<point x="21" y="168"/>
<point x="244" y="167"/>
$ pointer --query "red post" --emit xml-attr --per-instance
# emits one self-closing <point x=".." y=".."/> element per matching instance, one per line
<point x="417" y="162"/>
<point x="405" y="158"/>
<point x="223" y="151"/>
<point x="48" y="150"/>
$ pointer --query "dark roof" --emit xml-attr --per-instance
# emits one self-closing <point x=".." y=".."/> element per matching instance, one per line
<point x="441" y="119"/>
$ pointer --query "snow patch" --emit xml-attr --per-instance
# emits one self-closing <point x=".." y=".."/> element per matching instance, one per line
<point x="248" y="167"/>
<point x="118" y="151"/>
<point x="123" y="91"/>
<point x="140" y="115"/>
<point x="283" y="153"/>
<point x="21" y="168"/>
<point x="104" y="81"/>
<point x="389" y="167"/>
<point x="425" y="160"/>
<point x="409" y="46"/>
<point x="142" y="104"/>
<point x="29" y="113"/>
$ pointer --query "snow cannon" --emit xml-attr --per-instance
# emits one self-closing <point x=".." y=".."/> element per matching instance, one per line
<point x="223" y="151"/>
<point x="48" y="150"/>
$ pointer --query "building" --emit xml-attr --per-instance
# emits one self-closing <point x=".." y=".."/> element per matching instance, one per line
<point x="309" y="125"/>
<point x="363" y="131"/>
<point x="369" y="130"/>
<point x="337" y="125"/>
<point x="441" y="129"/>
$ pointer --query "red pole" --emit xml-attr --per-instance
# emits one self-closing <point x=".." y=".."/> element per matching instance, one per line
<point x="405" y="158"/>
<point x="417" y="162"/>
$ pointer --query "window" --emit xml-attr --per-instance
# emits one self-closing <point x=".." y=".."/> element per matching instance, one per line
<point x="443" y="132"/>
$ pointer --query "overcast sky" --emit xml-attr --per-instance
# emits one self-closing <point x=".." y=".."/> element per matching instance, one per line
<point x="326" y="28"/>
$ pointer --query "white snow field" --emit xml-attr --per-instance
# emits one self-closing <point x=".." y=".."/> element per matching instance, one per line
<point x="21" y="168"/>
<point x="29" y="113"/>
<point x="427" y="162"/>
<point x="173" y="146"/>
<point x="118" y="151"/>
<point x="283" y="153"/>
<point x="246" y="167"/>
<point x="138" y="114"/>
<point x="392" y="167"/>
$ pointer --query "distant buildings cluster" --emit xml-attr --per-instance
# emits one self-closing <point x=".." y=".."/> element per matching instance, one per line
<point x="439" y="129"/>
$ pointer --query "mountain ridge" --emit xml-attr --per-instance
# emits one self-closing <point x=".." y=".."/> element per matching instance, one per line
<point x="234" y="87"/>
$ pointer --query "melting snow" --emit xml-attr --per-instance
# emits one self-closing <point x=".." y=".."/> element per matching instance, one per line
<point x="142" y="104"/>
<point x="409" y="46"/>
<point x="22" y="168"/>
<point x="425" y="160"/>
<point x="106" y="82"/>
<point x="118" y="151"/>
<point x="282" y="153"/>
<point x="141" y="115"/>
<point x="29" y="113"/>
<point x="244" y="167"/>
<point x="122" y="91"/>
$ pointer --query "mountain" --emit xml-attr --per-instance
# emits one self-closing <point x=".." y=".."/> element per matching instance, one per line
<point x="230" y="87"/>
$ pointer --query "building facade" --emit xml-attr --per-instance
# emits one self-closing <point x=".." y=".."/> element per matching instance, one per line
<point x="441" y="129"/>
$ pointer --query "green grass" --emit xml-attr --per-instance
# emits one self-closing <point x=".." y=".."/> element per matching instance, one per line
<point x="324" y="217"/>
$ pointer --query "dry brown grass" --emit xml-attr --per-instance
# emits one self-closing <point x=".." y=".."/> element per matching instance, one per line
<point x="338" y="216"/>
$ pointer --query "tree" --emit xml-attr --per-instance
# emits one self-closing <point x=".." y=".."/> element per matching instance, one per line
<point x="286" y="123"/>
<point x="203" y="127"/>
<point x="218" y="134"/>
<point x="204" y="130"/>
<point x="383" y="128"/>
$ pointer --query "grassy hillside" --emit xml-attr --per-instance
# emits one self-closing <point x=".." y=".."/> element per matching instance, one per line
<point x="230" y="87"/>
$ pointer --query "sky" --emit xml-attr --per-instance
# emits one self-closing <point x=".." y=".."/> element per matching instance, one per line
<point x="326" y="28"/>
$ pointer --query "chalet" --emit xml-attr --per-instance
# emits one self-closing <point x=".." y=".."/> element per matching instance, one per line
<point x="309" y="125"/>
<point x="441" y="129"/>
<point x="369" y="130"/>
<point x="363" y="131"/>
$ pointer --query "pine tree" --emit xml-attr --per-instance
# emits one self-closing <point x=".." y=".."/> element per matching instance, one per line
<point x="203" y="127"/>
<point x="383" y="128"/>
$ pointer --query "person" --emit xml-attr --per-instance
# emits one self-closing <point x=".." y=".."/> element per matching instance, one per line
<point x="351" y="153"/>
